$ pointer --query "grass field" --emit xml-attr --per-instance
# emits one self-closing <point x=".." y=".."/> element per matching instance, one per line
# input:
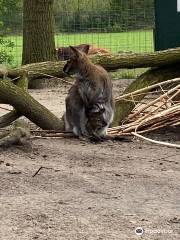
<point x="135" y="41"/>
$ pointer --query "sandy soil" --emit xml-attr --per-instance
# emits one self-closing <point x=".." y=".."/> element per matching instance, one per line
<point x="89" y="191"/>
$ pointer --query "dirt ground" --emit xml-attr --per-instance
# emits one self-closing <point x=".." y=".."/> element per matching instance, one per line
<point x="87" y="191"/>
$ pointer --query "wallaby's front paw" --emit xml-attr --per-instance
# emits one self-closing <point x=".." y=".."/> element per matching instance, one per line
<point x="83" y="138"/>
<point x="96" y="139"/>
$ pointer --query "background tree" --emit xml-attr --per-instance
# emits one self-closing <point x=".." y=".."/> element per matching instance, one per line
<point x="38" y="31"/>
<point x="129" y="14"/>
<point x="11" y="9"/>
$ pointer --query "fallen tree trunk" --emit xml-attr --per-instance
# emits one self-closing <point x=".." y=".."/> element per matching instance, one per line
<point x="36" y="70"/>
<point x="150" y="77"/>
<point x="109" y="62"/>
<point x="10" y="117"/>
<point x="28" y="106"/>
<point x="20" y="132"/>
<point x="138" y="60"/>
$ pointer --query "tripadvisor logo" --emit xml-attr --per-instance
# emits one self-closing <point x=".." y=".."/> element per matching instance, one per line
<point x="139" y="231"/>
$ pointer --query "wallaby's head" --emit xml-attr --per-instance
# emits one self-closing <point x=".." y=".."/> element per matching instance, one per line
<point x="65" y="53"/>
<point x="76" y="59"/>
<point x="95" y="115"/>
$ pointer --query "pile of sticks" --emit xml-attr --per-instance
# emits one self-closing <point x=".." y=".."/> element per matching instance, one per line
<point x="159" y="111"/>
<point x="153" y="114"/>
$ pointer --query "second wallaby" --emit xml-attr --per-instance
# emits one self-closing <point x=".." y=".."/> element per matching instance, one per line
<point x="65" y="53"/>
<point x="92" y="87"/>
<point x="96" y="123"/>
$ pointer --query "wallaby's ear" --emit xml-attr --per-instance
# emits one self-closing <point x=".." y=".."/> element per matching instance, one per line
<point x="75" y="51"/>
<point x="85" y="48"/>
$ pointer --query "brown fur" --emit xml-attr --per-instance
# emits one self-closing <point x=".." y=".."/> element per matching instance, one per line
<point x="95" y="50"/>
<point x="65" y="53"/>
<point x="93" y="86"/>
<point x="95" y="120"/>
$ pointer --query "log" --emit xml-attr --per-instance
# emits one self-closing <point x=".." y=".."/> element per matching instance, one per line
<point x="36" y="70"/>
<point x="108" y="61"/>
<point x="10" y="117"/>
<point x="18" y="134"/>
<point x="138" y="60"/>
<point x="27" y="106"/>
<point x="150" y="77"/>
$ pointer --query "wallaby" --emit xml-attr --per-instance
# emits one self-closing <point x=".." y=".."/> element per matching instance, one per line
<point x="65" y="53"/>
<point x="75" y="117"/>
<point x="96" y="124"/>
<point x="92" y="87"/>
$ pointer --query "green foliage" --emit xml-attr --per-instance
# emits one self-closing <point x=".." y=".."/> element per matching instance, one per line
<point x="132" y="14"/>
<point x="11" y="15"/>
<point x="81" y="15"/>
<point x="103" y="15"/>
<point x="87" y="15"/>
<point x="6" y="47"/>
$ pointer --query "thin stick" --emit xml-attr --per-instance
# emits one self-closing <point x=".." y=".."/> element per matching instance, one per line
<point x="156" y="100"/>
<point x="37" y="172"/>
<point x="156" y="142"/>
<point x="44" y="168"/>
<point x="130" y="100"/>
<point x="46" y="137"/>
<point x="48" y="131"/>
<point x="148" y="88"/>
<point x="14" y="79"/>
<point x="55" y="136"/>
<point x="139" y="94"/>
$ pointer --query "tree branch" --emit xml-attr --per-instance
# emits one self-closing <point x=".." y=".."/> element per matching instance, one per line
<point x="27" y="106"/>
<point x="8" y="118"/>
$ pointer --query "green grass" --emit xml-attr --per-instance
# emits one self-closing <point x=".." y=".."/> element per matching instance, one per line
<point x="135" y="41"/>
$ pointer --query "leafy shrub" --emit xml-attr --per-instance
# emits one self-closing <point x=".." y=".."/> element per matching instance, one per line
<point x="6" y="47"/>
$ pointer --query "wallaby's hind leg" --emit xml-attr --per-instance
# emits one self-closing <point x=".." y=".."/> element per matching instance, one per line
<point x="75" y="117"/>
<point x="68" y="127"/>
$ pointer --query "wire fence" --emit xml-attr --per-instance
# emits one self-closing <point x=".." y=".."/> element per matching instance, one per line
<point x="126" y="26"/>
<point x="116" y="25"/>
